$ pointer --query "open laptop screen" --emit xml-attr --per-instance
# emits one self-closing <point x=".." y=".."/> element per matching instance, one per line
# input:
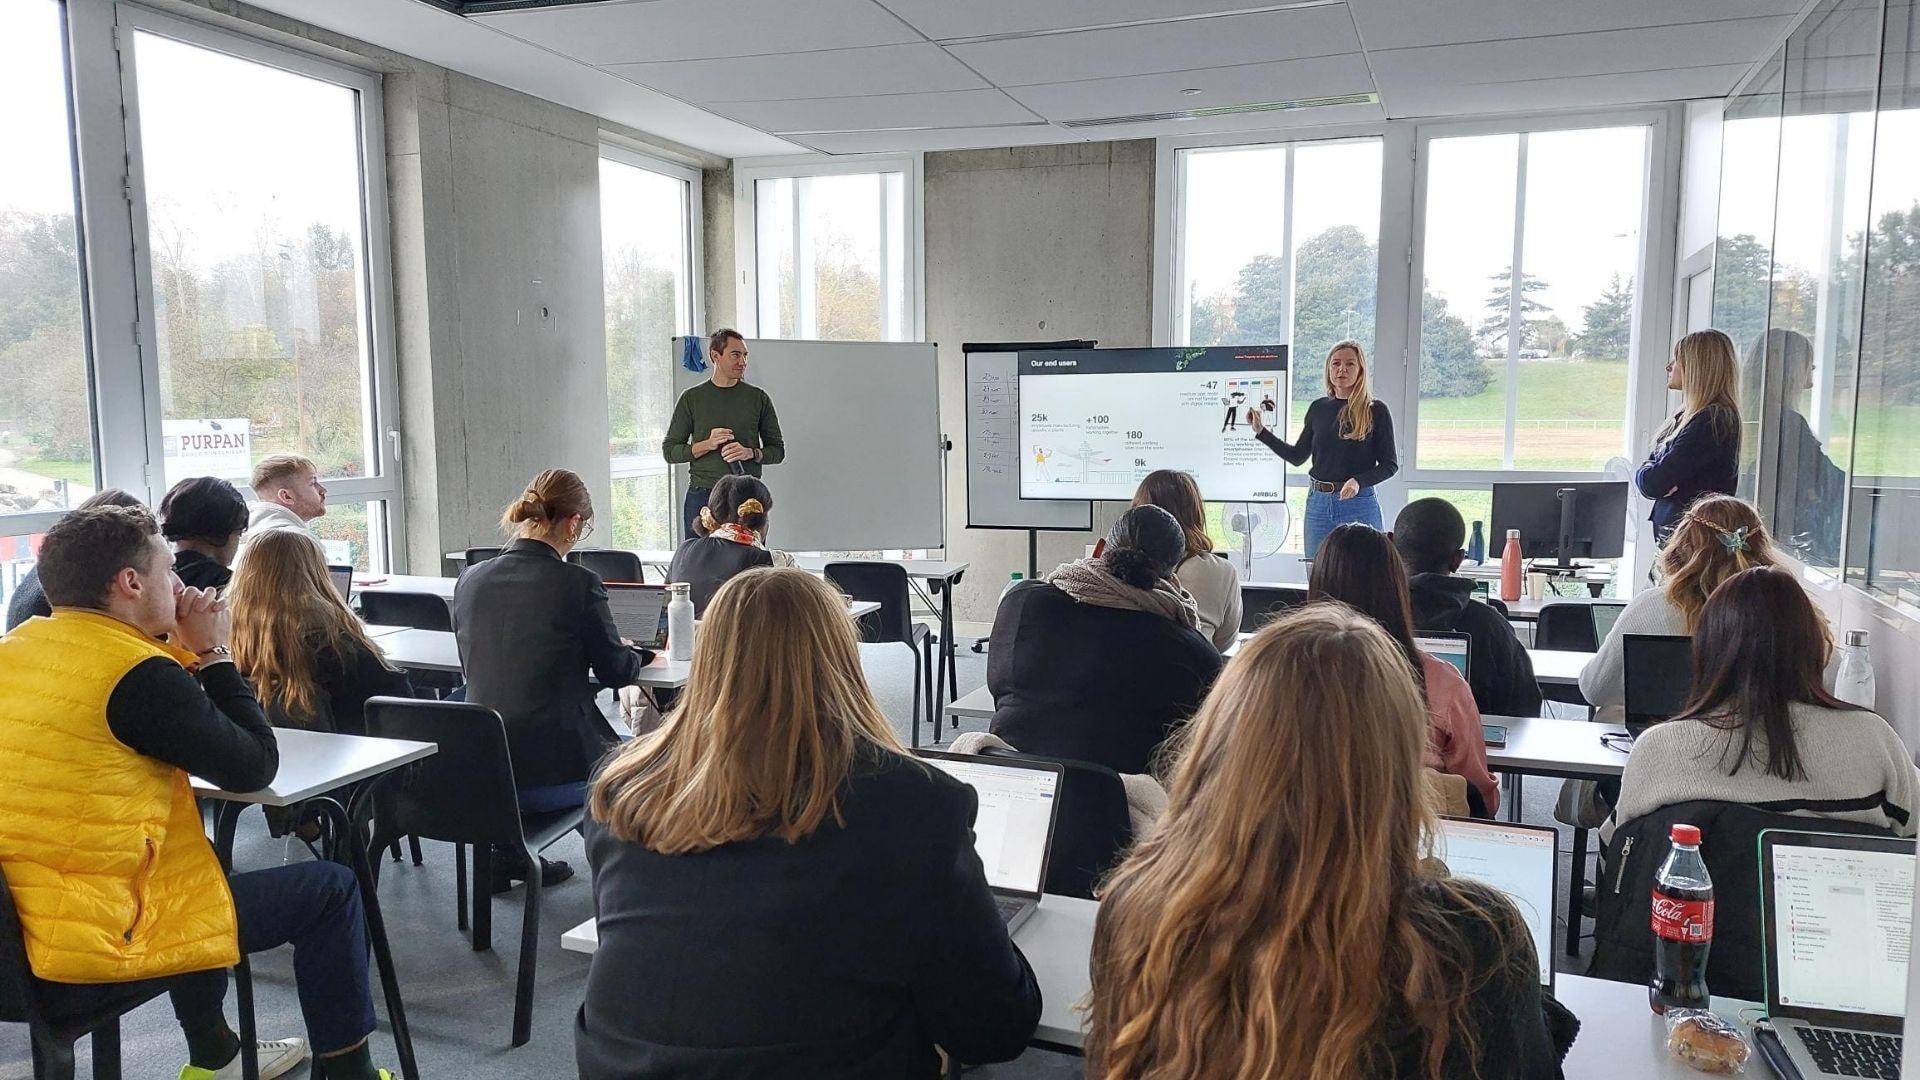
<point x="342" y="578"/>
<point x="1840" y="919"/>
<point x="639" y="613"/>
<point x="1453" y="648"/>
<point x="1015" y="822"/>
<point x="1520" y="861"/>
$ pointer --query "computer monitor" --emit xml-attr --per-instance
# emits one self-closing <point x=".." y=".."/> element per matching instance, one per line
<point x="1453" y="648"/>
<point x="342" y="578"/>
<point x="1562" y="522"/>
<point x="639" y="613"/>
<point x="1521" y="861"/>
<point x="1658" y="670"/>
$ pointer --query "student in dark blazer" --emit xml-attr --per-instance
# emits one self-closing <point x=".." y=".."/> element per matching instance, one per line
<point x="1698" y="452"/>
<point x="204" y="518"/>
<point x="781" y="891"/>
<point x="729" y="538"/>
<point x="537" y="642"/>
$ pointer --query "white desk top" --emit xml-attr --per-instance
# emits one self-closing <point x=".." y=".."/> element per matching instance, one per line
<point x="928" y="569"/>
<point x="1551" y="667"/>
<point x="437" y="650"/>
<point x="659" y="557"/>
<point x="316" y="762"/>
<point x="405" y="583"/>
<point x="977" y="703"/>
<point x="1545" y="746"/>
<point x="1620" y="1036"/>
<point x="1527" y="609"/>
<point x="1490" y="570"/>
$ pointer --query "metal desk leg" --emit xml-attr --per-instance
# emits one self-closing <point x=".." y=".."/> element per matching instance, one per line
<point x="357" y="859"/>
<point x="1514" y="808"/>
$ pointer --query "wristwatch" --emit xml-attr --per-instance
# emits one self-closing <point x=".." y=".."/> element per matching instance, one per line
<point x="214" y="655"/>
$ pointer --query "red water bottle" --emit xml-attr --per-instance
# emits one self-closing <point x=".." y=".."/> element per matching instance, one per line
<point x="1510" y="568"/>
<point x="1682" y="926"/>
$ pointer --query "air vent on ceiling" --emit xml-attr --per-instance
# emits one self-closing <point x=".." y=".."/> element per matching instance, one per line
<point x="1227" y="110"/>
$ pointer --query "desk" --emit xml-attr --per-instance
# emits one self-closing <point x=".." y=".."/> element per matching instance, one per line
<point x="441" y="587"/>
<point x="1551" y="667"/>
<point x="438" y="650"/>
<point x="977" y="705"/>
<point x="1527" y="609"/>
<point x="313" y="764"/>
<point x="657" y="558"/>
<point x="1545" y="746"/>
<point x="1595" y="578"/>
<point x="941" y="576"/>
<point x="1620" y="1036"/>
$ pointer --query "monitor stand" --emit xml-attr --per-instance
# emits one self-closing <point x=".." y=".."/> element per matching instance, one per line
<point x="1564" y="565"/>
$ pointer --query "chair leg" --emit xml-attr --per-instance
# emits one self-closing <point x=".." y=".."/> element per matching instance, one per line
<point x="460" y="884"/>
<point x="249" y="1030"/>
<point x="933" y="699"/>
<point x="52" y="1059"/>
<point x="916" y="698"/>
<point x="413" y="848"/>
<point x="482" y="898"/>
<point x="393" y="849"/>
<point x="1577" y="887"/>
<point x="106" y="1050"/>
<point x="529" y="953"/>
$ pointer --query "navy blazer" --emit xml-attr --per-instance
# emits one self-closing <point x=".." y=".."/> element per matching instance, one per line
<point x="1702" y="458"/>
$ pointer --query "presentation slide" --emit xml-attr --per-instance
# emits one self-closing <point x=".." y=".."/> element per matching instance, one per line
<point x="1094" y="422"/>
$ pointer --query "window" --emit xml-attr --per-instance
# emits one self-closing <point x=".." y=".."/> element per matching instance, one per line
<point x="832" y="251"/>
<point x="46" y="412"/>
<point x="647" y="212"/>
<point x="1528" y="312"/>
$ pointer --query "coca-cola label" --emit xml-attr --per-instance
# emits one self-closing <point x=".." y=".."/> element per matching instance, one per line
<point x="1682" y="920"/>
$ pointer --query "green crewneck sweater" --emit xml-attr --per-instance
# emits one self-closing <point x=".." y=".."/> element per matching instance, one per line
<point x="743" y="408"/>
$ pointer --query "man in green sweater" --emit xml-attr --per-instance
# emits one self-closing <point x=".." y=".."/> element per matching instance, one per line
<point x="725" y="425"/>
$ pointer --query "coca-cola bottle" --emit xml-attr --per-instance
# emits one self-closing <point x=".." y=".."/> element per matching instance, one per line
<point x="1682" y="926"/>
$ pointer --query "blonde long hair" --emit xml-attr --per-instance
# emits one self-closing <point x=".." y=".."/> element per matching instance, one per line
<point x="1356" y="416"/>
<point x="1709" y="379"/>
<point x="766" y="733"/>
<point x="1717" y="538"/>
<point x="286" y="611"/>
<point x="1286" y="881"/>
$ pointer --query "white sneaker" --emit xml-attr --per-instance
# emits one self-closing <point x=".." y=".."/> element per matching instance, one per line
<point x="277" y="1058"/>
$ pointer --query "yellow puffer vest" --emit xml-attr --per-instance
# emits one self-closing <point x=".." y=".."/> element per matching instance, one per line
<point x="102" y="847"/>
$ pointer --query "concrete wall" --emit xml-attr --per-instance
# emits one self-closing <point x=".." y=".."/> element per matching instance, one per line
<point x="1042" y="242"/>
<point x="722" y="274"/>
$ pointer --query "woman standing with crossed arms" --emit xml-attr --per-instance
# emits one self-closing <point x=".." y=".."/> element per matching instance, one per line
<point x="1349" y="437"/>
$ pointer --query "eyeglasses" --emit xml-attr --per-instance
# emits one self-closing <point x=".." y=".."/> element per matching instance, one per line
<point x="586" y="530"/>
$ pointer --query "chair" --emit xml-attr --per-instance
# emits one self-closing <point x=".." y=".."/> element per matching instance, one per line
<point x="465" y="794"/>
<point x="1260" y="603"/>
<point x="421" y="611"/>
<point x="53" y="1031"/>
<point x="478" y="555"/>
<point x="886" y="584"/>
<point x="1566" y="628"/>
<point x="609" y="564"/>
<point x="1092" y="829"/>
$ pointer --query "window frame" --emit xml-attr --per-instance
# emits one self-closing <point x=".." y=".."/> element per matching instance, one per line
<point x="747" y="172"/>
<point x="694" y="256"/>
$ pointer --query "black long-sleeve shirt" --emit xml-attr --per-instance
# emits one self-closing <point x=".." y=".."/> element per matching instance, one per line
<point x="209" y="724"/>
<point x="1337" y="460"/>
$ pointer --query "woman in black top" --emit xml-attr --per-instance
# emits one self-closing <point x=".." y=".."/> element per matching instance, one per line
<point x="1283" y="916"/>
<point x="307" y="655"/>
<point x="729" y="538"/>
<point x="28" y="598"/>
<point x="1349" y="436"/>
<point x="204" y="518"/>
<point x="781" y="890"/>
<point x="1698" y="452"/>
<point x="1102" y="659"/>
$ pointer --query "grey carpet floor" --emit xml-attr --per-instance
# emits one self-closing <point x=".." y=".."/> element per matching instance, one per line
<point x="460" y="1002"/>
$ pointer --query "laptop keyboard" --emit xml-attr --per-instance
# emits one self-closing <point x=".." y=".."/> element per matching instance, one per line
<point x="1011" y="905"/>
<point x="1853" y="1053"/>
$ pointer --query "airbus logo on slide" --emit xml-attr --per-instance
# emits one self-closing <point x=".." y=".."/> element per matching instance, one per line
<point x="1266" y="494"/>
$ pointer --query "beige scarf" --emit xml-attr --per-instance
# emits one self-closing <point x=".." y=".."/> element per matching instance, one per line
<point x="1089" y="583"/>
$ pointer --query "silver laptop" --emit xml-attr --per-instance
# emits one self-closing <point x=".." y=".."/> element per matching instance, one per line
<point x="1837" y="915"/>
<point x="1013" y="831"/>
<point x="639" y="613"/>
<point x="1453" y="648"/>
<point x="1520" y="861"/>
<point x="342" y="578"/>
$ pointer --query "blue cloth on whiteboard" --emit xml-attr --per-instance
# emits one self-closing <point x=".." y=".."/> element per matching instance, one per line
<point x="692" y="356"/>
<point x="1326" y="511"/>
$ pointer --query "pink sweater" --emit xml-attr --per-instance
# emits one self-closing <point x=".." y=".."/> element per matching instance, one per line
<point x="1459" y="746"/>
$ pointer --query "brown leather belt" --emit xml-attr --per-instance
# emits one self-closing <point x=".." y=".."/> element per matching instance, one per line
<point x="1322" y="485"/>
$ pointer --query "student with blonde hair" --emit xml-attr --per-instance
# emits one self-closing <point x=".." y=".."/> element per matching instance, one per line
<point x="537" y="643"/>
<point x="307" y="656"/>
<point x="1349" y="437"/>
<point x="781" y="890"/>
<point x="1698" y="452"/>
<point x="287" y="494"/>
<point x="1283" y="919"/>
<point x="1211" y="580"/>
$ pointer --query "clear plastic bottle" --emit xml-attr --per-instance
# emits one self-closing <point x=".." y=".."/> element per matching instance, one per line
<point x="679" y="621"/>
<point x="1682" y="926"/>
<point x="1853" y="683"/>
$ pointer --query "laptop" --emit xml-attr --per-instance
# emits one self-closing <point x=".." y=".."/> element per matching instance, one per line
<point x="1604" y="616"/>
<point x="1836" y="914"/>
<point x="1658" y="669"/>
<point x="1520" y="861"/>
<point x="1013" y="831"/>
<point x="1453" y="648"/>
<point x="639" y="613"/>
<point x="342" y="578"/>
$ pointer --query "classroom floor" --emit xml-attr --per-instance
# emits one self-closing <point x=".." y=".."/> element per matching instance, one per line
<point x="460" y="1002"/>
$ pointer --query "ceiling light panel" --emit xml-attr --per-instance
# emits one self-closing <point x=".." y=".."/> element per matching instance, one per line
<point x="1162" y="47"/>
<point x="888" y="69"/>
<point x="658" y="30"/>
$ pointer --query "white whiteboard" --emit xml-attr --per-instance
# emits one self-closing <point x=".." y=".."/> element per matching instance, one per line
<point x="993" y="469"/>
<point x="861" y="420"/>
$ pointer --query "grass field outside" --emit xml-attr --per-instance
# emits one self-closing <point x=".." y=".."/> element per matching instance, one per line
<point x="1572" y="416"/>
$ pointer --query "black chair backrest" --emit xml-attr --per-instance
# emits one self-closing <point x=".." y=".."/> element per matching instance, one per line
<point x="18" y="1002"/>
<point x="609" y="564"/>
<point x="464" y="793"/>
<point x="884" y="584"/>
<point x="478" y="555"/>
<point x="1093" y="828"/>
<point x="1658" y="669"/>
<point x="421" y="611"/>
<point x="1260" y="603"/>
<point x="1567" y="627"/>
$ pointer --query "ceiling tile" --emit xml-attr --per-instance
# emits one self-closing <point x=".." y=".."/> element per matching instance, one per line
<point x="957" y="108"/>
<point x="884" y="142"/>
<point x="1243" y="84"/>
<point x="1143" y="50"/>
<point x="941" y="19"/>
<point x="603" y="34"/>
<point x="1396" y="24"/>
<point x="889" y="69"/>
<point x="1609" y="52"/>
<point x="1574" y="92"/>
<point x="1215" y="125"/>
